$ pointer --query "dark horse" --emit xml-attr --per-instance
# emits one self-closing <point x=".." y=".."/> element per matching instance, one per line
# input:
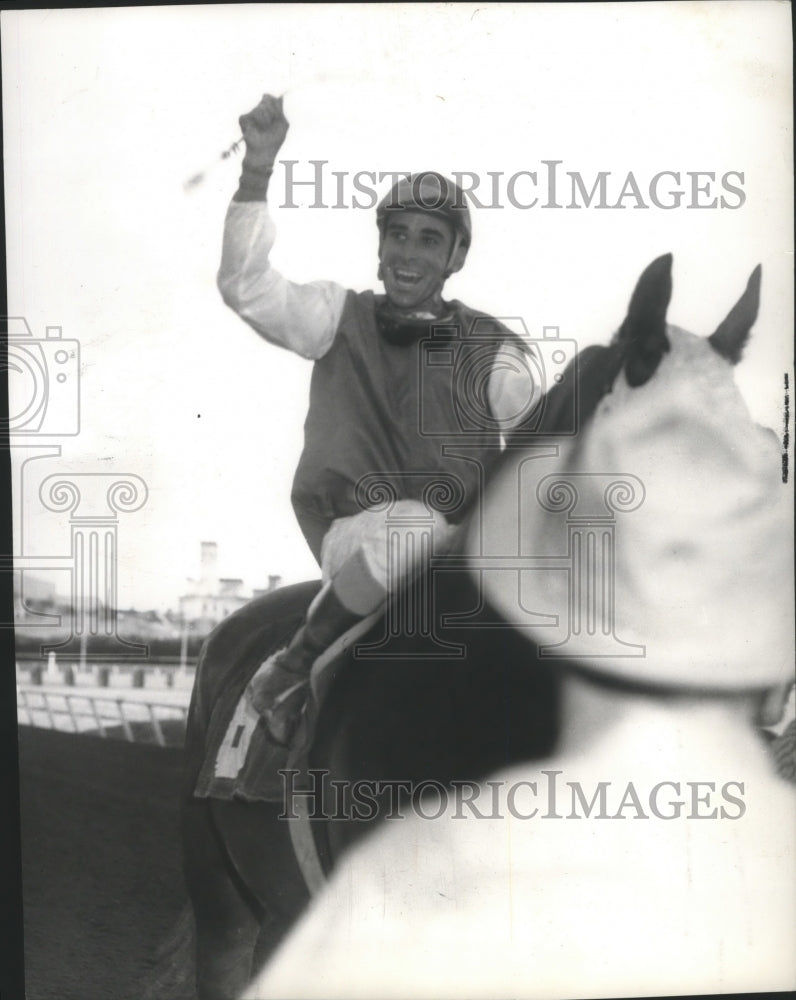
<point x="392" y="718"/>
<point x="407" y="713"/>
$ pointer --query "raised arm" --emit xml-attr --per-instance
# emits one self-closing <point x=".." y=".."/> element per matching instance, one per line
<point x="300" y="317"/>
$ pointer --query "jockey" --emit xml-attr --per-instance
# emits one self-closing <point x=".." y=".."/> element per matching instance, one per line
<point x="367" y="392"/>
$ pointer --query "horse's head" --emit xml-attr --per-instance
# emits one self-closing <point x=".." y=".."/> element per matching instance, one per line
<point x="640" y="344"/>
<point x="685" y="558"/>
<point x="643" y="338"/>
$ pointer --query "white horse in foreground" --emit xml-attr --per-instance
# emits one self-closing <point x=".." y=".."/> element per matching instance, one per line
<point x="653" y="853"/>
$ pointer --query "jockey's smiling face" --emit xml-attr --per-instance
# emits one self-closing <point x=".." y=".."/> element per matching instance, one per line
<point x="415" y="257"/>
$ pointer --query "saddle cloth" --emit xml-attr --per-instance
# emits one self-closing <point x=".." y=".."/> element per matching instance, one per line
<point x="240" y="761"/>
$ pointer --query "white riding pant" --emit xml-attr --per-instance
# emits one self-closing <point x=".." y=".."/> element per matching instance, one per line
<point x="367" y="552"/>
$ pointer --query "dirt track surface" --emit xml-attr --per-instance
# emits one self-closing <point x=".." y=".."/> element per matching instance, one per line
<point x="102" y="881"/>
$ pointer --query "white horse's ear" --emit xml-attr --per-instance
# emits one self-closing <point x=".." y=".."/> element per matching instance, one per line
<point x="642" y="337"/>
<point x="731" y="335"/>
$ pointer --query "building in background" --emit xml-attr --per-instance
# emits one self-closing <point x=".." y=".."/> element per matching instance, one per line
<point x="212" y="597"/>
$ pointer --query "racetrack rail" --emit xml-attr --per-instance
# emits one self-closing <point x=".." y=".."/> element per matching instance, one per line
<point x="137" y="720"/>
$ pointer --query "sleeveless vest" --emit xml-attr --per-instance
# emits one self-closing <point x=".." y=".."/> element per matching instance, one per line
<point x="391" y="421"/>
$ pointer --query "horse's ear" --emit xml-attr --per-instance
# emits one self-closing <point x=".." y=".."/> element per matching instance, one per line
<point x="731" y="335"/>
<point x="642" y="336"/>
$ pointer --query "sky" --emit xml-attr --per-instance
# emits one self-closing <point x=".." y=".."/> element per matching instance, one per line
<point x="107" y="112"/>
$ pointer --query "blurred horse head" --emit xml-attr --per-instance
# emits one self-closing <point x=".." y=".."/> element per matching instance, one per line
<point x="695" y="569"/>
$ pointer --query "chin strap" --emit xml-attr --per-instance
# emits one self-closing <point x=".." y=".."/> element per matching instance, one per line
<point x="457" y="243"/>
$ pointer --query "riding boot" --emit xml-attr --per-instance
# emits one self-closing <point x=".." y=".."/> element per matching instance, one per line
<point x="280" y="691"/>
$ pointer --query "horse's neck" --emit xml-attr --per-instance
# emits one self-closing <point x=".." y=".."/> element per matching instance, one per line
<point x="606" y="724"/>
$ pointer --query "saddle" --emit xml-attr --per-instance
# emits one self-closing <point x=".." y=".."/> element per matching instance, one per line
<point x="241" y="762"/>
